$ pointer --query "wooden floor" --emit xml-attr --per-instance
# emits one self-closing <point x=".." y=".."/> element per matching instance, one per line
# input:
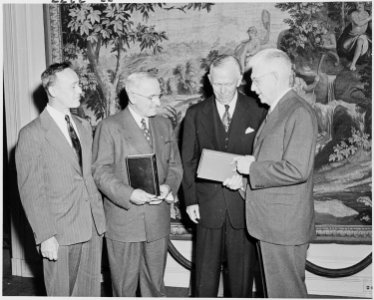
<point x="21" y="286"/>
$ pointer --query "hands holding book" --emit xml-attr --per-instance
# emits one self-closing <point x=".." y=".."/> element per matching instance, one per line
<point x="224" y="167"/>
<point x="234" y="183"/>
<point x="140" y="197"/>
<point x="165" y="195"/>
<point x="243" y="163"/>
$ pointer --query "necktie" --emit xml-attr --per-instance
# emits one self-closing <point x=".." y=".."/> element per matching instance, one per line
<point x="74" y="140"/>
<point x="146" y="132"/>
<point x="226" y="118"/>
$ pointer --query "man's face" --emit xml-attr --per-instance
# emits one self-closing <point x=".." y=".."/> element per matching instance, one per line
<point x="146" y="98"/>
<point x="224" y="80"/>
<point x="263" y="84"/>
<point x="66" y="90"/>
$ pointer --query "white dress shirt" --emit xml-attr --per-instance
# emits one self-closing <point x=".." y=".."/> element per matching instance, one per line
<point x="138" y="118"/>
<point x="221" y="107"/>
<point x="59" y="119"/>
<point x="274" y="104"/>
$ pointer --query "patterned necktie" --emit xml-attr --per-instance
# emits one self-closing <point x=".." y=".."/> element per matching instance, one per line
<point x="74" y="140"/>
<point x="226" y="118"/>
<point x="146" y="132"/>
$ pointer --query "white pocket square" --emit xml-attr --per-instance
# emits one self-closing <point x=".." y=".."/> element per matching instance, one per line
<point x="249" y="130"/>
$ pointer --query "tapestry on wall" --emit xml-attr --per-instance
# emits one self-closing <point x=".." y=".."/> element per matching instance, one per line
<point x="177" y="42"/>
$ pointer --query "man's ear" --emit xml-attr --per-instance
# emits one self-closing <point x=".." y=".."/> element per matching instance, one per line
<point x="51" y="91"/>
<point x="131" y="100"/>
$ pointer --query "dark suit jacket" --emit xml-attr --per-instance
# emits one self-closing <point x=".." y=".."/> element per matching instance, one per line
<point x="117" y="137"/>
<point x="203" y="129"/>
<point x="59" y="200"/>
<point x="279" y="202"/>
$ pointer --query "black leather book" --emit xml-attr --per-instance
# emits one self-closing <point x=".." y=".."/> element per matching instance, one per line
<point x="142" y="172"/>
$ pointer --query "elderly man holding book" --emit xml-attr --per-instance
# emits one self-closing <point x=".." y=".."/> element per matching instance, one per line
<point x="138" y="221"/>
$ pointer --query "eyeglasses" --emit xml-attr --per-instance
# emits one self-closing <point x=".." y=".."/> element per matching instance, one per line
<point x="152" y="98"/>
<point x="256" y="80"/>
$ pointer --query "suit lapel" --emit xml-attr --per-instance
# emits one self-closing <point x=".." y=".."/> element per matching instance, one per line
<point x="57" y="140"/>
<point x="259" y="131"/>
<point x="239" y="122"/>
<point x="207" y="120"/>
<point x="133" y="134"/>
<point x="269" y="122"/>
<point x="158" y="137"/>
<point x="265" y="128"/>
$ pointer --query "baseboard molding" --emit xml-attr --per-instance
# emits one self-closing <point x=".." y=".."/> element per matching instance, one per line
<point x="26" y="268"/>
<point x="353" y="286"/>
<point x="358" y="285"/>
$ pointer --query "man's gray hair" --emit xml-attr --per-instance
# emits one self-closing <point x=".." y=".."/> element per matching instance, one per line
<point x="225" y="60"/>
<point x="134" y="79"/>
<point x="272" y="58"/>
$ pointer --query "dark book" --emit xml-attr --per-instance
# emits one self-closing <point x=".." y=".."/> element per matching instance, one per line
<point x="142" y="172"/>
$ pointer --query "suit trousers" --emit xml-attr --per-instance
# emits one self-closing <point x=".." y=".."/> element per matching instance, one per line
<point x="131" y="263"/>
<point x="77" y="271"/>
<point x="231" y="247"/>
<point x="284" y="268"/>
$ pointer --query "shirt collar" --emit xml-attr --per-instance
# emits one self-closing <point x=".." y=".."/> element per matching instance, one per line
<point x="138" y="118"/>
<point x="232" y="104"/>
<point x="56" y="114"/>
<point x="274" y="104"/>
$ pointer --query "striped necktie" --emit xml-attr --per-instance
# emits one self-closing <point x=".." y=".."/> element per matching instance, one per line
<point x="146" y="132"/>
<point x="226" y="118"/>
<point x="74" y="140"/>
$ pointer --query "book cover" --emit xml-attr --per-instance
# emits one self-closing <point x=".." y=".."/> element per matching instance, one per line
<point x="142" y="172"/>
<point x="216" y="165"/>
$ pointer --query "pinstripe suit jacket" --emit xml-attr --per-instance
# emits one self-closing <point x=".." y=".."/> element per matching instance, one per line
<point x="59" y="199"/>
<point x="117" y="137"/>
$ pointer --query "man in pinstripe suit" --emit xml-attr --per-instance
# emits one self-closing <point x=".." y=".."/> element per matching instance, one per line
<point x="58" y="193"/>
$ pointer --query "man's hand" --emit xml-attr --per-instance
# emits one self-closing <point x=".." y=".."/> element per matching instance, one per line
<point x="140" y="197"/>
<point x="193" y="212"/>
<point x="49" y="248"/>
<point x="243" y="163"/>
<point x="234" y="183"/>
<point x="166" y="194"/>
<point x="164" y="191"/>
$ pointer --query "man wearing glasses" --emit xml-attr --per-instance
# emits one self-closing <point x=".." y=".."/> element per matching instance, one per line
<point x="279" y="202"/>
<point x="138" y="223"/>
